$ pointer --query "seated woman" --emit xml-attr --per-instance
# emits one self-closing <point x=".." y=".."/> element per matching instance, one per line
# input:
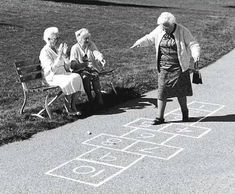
<point x="86" y="60"/>
<point x="53" y="61"/>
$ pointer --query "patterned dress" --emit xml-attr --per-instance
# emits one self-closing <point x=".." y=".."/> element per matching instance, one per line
<point x="172" y="82"/>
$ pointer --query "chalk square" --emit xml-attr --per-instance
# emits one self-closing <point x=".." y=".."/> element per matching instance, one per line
<point x="192" y="113"/>
<point x="149" y="135"/>
<point x="143" y="123"/>
<point x="186" y="130"/>
<point x="153" y="150"/>
<point x="172" y="117"/>
<point x="210" y="107"/>
<point x="111" y="157"/>
<point x="110" y="141"/>
<point x="85" y="172"/>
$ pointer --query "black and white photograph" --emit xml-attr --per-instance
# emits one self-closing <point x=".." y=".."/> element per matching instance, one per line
<point x="117" y="97"/>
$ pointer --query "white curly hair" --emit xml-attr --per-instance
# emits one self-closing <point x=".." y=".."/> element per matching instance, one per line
<point x="48" y="32"/>
<point x="80" y="34"/>
<point x="166" y="17"/>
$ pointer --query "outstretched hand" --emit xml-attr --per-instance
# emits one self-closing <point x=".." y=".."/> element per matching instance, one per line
<point x="60" y="50"/>
<point x="135" y="45"/>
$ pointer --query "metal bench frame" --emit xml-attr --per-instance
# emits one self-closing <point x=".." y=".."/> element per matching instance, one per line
<point x="29" y="71"/>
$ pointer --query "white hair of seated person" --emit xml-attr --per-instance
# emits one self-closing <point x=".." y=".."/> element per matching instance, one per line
<point x="166" y="17"/>
<point x="48" y="32"/>
<point x="80" y="34"/>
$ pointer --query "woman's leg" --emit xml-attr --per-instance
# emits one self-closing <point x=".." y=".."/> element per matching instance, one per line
<point x="161" y="105"/>
<point x="74" y="102"/>
<point x="97" y="90"/>
<point x="184" y="108"/>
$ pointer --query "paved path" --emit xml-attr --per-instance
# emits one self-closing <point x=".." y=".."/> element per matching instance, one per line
<point x="126" y="154"/>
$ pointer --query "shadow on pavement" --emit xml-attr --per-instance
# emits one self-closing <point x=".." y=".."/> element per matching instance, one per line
<point x="138" y="103"/>
<point x="224" y="118"/>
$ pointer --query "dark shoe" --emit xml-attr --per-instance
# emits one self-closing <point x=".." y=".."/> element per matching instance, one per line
<point x="158" y="121"/>
<point x="185" y="117"/>
<point x="78" y="110"/>
<point x="78" y="113"/>
<point x="71" y="112"/>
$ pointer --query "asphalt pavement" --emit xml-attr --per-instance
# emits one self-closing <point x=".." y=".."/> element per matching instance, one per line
<point x="119" y="151"/>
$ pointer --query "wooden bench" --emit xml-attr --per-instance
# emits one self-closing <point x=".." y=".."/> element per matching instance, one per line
<point x="31" y="78"/>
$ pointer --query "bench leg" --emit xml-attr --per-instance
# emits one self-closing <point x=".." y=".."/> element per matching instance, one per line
<point x="47" y="106"/>
<point x="113" y="88"/>
<point x="25" y="101"/>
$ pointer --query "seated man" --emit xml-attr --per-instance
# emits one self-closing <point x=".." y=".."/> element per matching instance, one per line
<point x="86" y="60"/>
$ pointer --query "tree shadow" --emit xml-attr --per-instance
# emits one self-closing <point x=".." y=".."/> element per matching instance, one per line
<point x="136" y="103"/>
<point x="229" y="6"/>
<point x="2" y="24"/>
<point x="106" y="3"/>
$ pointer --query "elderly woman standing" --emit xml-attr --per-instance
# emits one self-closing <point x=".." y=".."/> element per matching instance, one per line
<point x="86" y="60"/>
<point x="175" y="46"/>
<point x="53" y="61"/>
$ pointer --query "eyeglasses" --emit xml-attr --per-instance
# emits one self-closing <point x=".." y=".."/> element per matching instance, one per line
<point x="166" y="26"/>
<point x="54" y="38"/>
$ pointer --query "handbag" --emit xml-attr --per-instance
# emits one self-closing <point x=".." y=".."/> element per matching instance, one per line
<point x="197" y="77"/>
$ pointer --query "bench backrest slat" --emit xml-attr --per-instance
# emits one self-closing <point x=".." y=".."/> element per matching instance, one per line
<point x="31" y="76"/>
<point x="28" y="70"/>
<point x="26" y="63"/>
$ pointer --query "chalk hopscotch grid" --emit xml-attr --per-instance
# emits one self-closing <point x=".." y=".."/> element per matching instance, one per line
<point x="136" y="141"/>
<point x="122" y="169"/>
<point x="207" y="130"/>
<point x="81" y="181"/>
<point x="174" y="112"/>
<point x="179" y="149"/>
<point x="110" y="156"/>
<point x="151" y="120"/>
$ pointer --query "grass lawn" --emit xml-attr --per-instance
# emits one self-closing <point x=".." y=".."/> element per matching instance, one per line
<point x="114" y="29"/>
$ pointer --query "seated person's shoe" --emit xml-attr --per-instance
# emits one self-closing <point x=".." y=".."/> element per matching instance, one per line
<point x="78" y="112"/>
<point x="158" y="121"/>
<point x="71" y="112"/>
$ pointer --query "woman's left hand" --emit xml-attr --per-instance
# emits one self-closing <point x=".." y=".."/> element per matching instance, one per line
<point x="103" y="62"/>
<point x="65" y="49"/>
<point x="196" y="60"/>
